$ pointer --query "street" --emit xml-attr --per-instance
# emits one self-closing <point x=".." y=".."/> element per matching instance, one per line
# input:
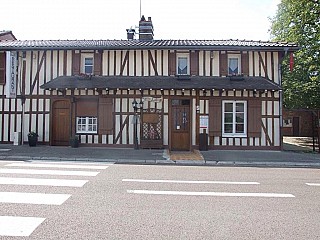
<point x="82" y="200"/>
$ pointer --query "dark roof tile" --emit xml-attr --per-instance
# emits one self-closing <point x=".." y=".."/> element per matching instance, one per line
<point x="136" y="44"/>
<point x="160" y="82"/>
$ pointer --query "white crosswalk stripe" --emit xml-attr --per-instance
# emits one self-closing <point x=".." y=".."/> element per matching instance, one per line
<point x="51" y="165"/>
<point x="24" y="225"/>
<point x="42" y="182"/>
<point x="33" y="198"/>
<point x="313" y="184"/>
<point x="49" y="172"/>
<point x="212" y="194"/>
<point x="18" y="226"/>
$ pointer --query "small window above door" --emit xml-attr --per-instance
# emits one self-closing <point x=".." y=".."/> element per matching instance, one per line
<point x="87" y="63"/>
<point x="183" y="64"/>
<point x="234" y="64"/>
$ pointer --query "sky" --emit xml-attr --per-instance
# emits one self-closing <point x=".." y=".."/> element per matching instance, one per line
<point x="109" y="19"/>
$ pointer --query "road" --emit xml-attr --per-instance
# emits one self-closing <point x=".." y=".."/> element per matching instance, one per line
<point x="68" y="200"/>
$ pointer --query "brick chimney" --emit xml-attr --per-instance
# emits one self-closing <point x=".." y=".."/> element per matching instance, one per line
<point x="145" y="29"/>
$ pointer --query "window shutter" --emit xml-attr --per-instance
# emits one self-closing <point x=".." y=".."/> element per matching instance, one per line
<point x="2" y="68"/>
<point x="254" y="118"/>
<point x="75" y="63"/>
<point x="194" y="63"/>
<point x="97" y="63"/>
<point x="215" y="117"/>
<point x="245" y="64"/>
<point x="172" y="63"/>
<point x="105" y="120"/>
<point x="87" y="108"/>
<point x="223" y="62"/>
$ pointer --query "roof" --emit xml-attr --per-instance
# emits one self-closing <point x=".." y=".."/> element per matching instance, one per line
<point x="160" y="82"/>
<point x="7" y="35"/>
<point x="154" y="44"/>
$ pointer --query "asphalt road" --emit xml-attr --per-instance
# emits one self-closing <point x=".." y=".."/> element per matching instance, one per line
<point x="112" y="201"/>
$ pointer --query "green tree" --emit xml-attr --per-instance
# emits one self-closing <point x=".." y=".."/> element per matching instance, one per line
<point x="298" y="21"/>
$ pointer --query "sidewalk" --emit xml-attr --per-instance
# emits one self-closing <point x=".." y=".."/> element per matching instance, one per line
<point x="162" y="156"/>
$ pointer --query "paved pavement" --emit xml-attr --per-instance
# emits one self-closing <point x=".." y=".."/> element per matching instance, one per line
<point x="296" y="157"/>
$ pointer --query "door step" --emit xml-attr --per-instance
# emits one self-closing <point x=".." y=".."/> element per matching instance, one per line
<point x="185" y="155"/>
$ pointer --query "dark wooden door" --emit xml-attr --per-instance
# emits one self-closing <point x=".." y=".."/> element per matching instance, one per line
<point x="295" y="126"/>
<point x="180" y="125"/>
<point x="61" y="123"/>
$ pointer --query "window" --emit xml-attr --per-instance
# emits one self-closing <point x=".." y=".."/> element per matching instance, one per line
<point x="183" y="64"/>
<point x="87" y="63"/>
<point x="87" y="125"/>
<point x="287" y="122"/>
<point x="234" y="118"/>
<point x="234" y="64"/>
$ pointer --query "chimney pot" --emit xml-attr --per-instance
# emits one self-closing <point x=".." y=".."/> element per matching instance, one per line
<point x="145" y="29"/>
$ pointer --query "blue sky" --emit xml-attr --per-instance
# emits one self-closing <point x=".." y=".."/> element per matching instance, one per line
<point x="109" y="19"/>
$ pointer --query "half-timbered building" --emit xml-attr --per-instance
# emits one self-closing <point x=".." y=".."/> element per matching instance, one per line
<point x="143" y="92"/>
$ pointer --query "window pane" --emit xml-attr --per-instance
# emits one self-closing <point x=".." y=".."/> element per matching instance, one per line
<point x="228" y="117"/>
<point x="175" y="102"/>
<point x="88" y="61"/>
<point x="240" y="107"/>
<point x="227" y="128"/>
<point x="233" y="65"/>
<point x="182" y="65"/>
<point x="239" y="118"/>
<point x="239" y="128"/>
<point x="228" y="107"/>
<point x="88" y="69"/>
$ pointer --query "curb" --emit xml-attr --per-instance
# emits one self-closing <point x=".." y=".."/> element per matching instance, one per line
<point x="168" y="162"/>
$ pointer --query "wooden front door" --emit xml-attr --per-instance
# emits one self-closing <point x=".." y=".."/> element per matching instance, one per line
<point x="61" y="123"/>
<point x="180" y="125"/>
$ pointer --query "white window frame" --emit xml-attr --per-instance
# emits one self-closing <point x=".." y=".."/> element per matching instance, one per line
<point x="83" y="58"/>
<point x="87" y="125"/>
<point x="234" y="133"/>
<point x="237" y="56"/>
<point x="183" y="55"/>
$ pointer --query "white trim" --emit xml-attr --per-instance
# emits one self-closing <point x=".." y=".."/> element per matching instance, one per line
<point x="86" y="125"/>
<point x="234" y="134"/>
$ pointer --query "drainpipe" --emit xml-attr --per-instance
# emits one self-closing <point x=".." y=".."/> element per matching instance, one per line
<point x="286" y="49"/>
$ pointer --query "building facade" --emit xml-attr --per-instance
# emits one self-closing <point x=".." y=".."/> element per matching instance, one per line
<point x="143" y="92"/>
<point x="301" y="122"/>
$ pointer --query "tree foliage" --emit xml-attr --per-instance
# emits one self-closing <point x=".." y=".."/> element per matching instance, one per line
<point x="298" y="21"/>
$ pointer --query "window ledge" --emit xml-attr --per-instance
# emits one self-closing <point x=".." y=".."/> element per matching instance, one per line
<point x="182" y="77"/>
<point x="234" y="135"/>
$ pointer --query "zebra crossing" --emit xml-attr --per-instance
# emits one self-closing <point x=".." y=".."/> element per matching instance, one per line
<point x="38" y="174"/>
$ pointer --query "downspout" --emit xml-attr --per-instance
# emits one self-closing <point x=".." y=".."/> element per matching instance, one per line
<point x="281" y="95"/>
<point x="22" y="95"/>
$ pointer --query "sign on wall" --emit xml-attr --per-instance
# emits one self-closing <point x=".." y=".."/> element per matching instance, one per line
<point x="11" y="74"/>
<point x="204" y="121"/>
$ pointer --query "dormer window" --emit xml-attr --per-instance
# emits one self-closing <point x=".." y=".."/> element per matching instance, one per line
<point x="233" y="64"/>
<point x="87" y="63"/>
<point x="183" y="64"/>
